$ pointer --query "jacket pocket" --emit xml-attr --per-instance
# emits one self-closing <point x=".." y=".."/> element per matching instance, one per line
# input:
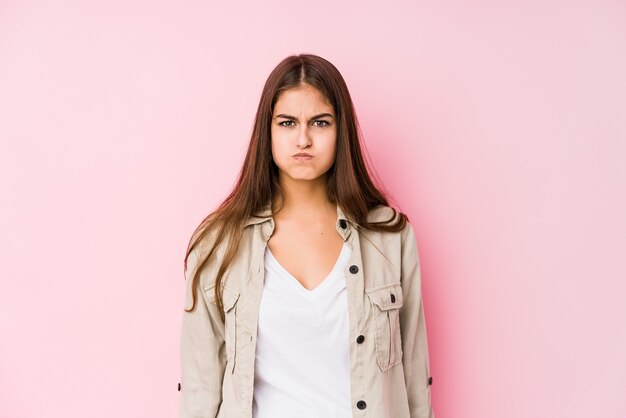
<point x="386" y="302"/>
<point x="230" y="298"/>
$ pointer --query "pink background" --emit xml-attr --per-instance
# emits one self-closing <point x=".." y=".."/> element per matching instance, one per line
<point x="499" y="127"/>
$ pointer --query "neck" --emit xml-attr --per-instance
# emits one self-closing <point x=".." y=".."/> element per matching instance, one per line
<point x="305" y="199"/>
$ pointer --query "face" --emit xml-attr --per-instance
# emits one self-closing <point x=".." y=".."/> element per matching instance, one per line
<point x="303" y="122"/>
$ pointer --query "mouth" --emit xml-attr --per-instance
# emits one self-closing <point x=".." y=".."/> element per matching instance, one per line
<point x="302" y="156"/>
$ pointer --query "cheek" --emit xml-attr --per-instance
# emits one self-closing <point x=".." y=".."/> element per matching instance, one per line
<point x="278" y="147"/>
<point x="332" y="145"/>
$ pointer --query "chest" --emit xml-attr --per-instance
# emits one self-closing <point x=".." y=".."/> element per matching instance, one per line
<point x="308" y="254"/>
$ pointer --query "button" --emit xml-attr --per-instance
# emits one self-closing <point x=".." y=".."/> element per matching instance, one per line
<point x="343" y="224"/>
<point x="361" y="404"/>
<point x="393" y="298"/>
<point x="360" y="339"/>
<point x="353" y="269"/>
<point x="430" y="380"/>
<point x="179" y="387"/>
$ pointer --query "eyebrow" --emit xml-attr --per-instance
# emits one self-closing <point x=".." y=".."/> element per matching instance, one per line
<point x="289" y="117"/>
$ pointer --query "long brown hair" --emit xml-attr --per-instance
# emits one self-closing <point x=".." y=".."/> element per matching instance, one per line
<point x="349" y="183"/>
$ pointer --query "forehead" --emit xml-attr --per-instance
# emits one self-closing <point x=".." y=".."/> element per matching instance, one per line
<point x="302" y="99"/>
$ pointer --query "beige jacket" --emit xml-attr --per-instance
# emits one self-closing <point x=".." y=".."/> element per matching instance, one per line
<point x="389" y="365"/>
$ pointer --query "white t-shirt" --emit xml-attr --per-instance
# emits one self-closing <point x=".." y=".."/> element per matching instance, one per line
<point x="302" y="365"/>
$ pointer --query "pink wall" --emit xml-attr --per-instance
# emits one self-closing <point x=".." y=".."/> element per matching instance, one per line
<point x="499" y="127"/>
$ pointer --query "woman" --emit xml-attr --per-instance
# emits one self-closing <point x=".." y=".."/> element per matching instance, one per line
<point x="303" y="293"/>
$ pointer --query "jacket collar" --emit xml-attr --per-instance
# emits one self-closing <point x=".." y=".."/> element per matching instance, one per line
<point x="266" y="219"/>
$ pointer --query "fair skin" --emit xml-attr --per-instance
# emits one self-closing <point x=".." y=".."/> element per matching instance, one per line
<point x="305" y="240"/>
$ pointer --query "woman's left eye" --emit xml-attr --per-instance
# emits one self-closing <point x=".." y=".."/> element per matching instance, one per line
<point x="320" y="123"/>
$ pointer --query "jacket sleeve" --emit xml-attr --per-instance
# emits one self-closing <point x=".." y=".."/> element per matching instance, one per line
<point x="202" y="352"/>
<point x="415" y="359"/>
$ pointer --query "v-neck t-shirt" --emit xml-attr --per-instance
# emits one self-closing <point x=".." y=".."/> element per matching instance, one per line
<point x="302" y="364"/>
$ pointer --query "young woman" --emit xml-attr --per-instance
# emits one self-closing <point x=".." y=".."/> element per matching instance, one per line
<point x="303" y="295"/>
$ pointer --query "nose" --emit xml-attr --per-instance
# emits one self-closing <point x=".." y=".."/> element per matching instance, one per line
<point x="303" y="140"/>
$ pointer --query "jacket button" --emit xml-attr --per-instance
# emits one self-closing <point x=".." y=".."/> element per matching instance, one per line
<point x="393" y="298"/>
<point x="430" y="380"/>
<point x="360" y="339"/>
<point x="353" y="269"/>
<point x="179" y="387"/>
<point x="361" y="404"/>
<point x="343" y="224"/>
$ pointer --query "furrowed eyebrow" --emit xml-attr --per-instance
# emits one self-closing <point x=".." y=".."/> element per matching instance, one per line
<point x="289" y="117"/>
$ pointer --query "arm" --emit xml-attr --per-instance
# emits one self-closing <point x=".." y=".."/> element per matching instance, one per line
<point x="413" y="328"/>
<point x="202" y="353"/>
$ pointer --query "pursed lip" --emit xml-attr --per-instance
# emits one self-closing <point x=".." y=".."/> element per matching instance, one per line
<point x="302" y="154"/>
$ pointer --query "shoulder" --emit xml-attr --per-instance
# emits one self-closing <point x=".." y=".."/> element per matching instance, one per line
<point x="201" y="248"/>
<point x="392" y="231"/>
<point x="388" y="215"/>
<point x="381" y="213"/>
<point x="198" y="262"/>
<point x="400" y="240"/>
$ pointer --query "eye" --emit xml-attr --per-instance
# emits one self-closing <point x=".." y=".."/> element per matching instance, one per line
<point x="320" y="123"/>
<point x="286" y="123"/>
